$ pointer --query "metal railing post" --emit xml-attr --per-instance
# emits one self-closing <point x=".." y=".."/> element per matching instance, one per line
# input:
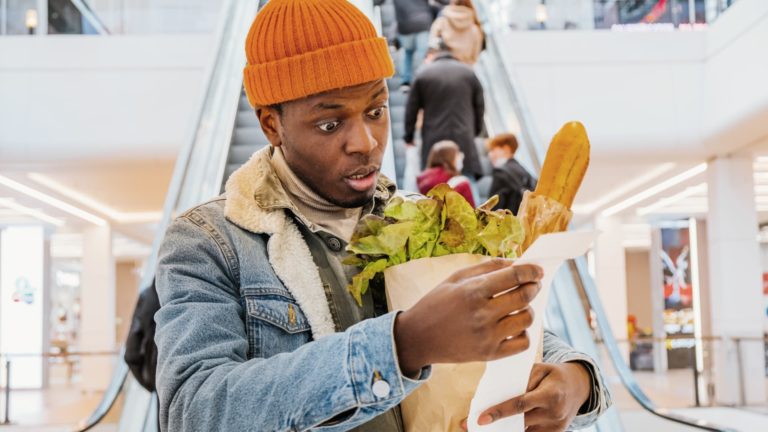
<point x="7" y="415"/>
<point x="742" y="389"/>
<point x="695" y="375"/>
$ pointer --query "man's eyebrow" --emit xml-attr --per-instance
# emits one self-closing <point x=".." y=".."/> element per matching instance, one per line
<point x="379" y="93"/>
<point x="322" y="106"/>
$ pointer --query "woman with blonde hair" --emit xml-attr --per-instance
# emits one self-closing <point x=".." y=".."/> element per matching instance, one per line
<point x="444" y="165"/>
<point x="460" y="30"/>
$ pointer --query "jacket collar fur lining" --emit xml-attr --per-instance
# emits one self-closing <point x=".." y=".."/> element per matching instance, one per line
<point x="257" y="202"/>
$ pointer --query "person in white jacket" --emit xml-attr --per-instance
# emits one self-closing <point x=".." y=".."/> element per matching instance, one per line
<point x="459" y="28"/>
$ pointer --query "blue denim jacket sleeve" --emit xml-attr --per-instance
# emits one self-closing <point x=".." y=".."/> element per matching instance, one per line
<point x="205" y="381"/>
<point x="557" y="351"/>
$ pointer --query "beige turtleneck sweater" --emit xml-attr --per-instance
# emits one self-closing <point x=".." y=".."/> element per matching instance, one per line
<point x="320" y="213"/>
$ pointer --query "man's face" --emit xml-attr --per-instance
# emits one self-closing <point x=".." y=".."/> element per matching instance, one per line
<point x="334" y="142"/>
<point x="499" y="154"/>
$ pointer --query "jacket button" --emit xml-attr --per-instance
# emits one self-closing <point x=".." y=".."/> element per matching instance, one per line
<point x="381" y="388"/>
<point x="334" y="244"/>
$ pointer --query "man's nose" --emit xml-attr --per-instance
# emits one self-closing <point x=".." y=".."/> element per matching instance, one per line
<point x="361" y="139"/>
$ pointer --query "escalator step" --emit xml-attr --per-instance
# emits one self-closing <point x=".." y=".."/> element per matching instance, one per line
<point x="240" y="154"/>
<point x="397" y="114"/>
<point x="244" y="105"/>
<point x="397" y="98"/>
<point x="247" y="119"/>
<point x="249" y="136"/>
<point x="398" y="131"/>
<point x="394" y="84"/>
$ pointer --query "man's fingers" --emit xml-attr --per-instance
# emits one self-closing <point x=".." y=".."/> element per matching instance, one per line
<point x="480" y="269"/>
<point x="513" y="345"/>
<point x="517" y="299"/>
<point x="519" y="405"/>
<point x="537" y="417"/>
<point x="507" y="278"/>
<point x="514" y="324"/>
<point x="539" y="372"/>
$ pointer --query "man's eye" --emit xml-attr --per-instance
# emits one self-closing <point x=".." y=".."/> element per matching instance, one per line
<point x="377" y="113"/>
<point x="329" y="127"/>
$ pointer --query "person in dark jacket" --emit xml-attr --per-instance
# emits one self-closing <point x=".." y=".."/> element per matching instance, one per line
<point x="452" y="99"/>
<point x="414" y="19"/>
<point x="444" y="166"/>
<point x="510" y="179"/>
<point x="140" y="348"/>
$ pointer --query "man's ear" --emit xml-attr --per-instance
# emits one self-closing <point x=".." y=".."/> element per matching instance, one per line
<point x="269" y="119"/>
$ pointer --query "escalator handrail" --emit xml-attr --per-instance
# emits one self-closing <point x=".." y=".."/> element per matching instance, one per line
<point x="170" y="208"/>
<point x="110" y="397"/>
<point x="582" y="277"/>
<point x="93" y="19"/>
<point x="579" y="271"/>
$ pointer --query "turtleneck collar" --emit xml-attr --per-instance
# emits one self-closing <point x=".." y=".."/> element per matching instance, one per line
<point x="321" y="213"/>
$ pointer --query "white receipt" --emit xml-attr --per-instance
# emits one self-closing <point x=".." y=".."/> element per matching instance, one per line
<point x="507" y="378"/>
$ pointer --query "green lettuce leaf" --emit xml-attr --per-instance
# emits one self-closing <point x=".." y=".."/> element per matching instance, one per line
<point x="362" y="280"/>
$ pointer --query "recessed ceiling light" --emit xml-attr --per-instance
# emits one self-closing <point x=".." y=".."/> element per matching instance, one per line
<point x="61" y="205"/>
<point x="81" y="198"/>
<point x="37" y="214"/>
<point x="650" y="192"/>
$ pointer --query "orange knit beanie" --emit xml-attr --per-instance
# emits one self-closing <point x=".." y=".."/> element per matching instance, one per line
<point x="299" y="48"/>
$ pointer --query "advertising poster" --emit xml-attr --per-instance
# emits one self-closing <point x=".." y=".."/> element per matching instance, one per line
<point x="678" y="295"/>
<point x="22" y="303"/>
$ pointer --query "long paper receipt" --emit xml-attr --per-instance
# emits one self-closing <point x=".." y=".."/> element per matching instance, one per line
<point x="507" y="378"/>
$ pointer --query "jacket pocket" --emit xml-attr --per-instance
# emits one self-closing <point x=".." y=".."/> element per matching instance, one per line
<point x="275" y="324"/>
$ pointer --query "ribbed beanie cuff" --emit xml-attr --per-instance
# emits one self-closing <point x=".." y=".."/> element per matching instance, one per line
<point x="332" y="68"/>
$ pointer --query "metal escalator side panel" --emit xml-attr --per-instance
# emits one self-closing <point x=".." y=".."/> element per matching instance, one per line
<point x="582" y="276"/>
<point x="114" y="389"/>
<point x="201" y="161"/>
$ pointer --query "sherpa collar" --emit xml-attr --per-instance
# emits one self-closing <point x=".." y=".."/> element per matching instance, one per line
<point x="257" y="202"/>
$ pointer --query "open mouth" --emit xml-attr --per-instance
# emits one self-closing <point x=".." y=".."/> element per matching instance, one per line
<point x="362" y="180"/>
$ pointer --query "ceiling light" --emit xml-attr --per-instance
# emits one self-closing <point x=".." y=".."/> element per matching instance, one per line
<point x="622" y="190"/>
<point x="37" y="214"/>
<point x="61" y="205"/>
<point x="650" y="192"/>
<point x="117" y="216"/>
<point x="674" y="199"/>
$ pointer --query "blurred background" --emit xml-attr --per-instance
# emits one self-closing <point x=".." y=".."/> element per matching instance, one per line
<point x="117" y="115"/>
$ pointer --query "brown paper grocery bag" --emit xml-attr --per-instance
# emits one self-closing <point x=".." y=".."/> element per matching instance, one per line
<point x="441" y="403"/>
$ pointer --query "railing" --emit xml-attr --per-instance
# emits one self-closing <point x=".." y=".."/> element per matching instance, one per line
<point x="634" y="15"/>
<point x="702" y="372"/>
<point x="200" y="165"/>
<point x="99" y="17"/>
<point x="8" y="359"/>
<point x="583" y="281"/>
<point x="569" y="319"/>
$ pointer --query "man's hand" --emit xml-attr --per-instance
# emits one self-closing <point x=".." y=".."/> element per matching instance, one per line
<point x="480" y="313"/>
<point x="555" y="394"/>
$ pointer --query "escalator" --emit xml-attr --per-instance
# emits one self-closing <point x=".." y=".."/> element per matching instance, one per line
<point x="226" y="133"/>
<point x="573" y="286"/>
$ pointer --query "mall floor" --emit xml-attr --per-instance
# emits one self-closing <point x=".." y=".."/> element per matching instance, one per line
<point x="62" y="406"/>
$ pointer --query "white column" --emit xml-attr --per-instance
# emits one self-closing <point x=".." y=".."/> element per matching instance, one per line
<point x="22" y="304"/>
<point x="660" y="359"/>
<point x="611" y="277"/>
<point x="97" y="306"/>
<point x="735" y="281"/>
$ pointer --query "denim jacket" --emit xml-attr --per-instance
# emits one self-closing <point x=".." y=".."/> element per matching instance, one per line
<point x="245" y="335"/>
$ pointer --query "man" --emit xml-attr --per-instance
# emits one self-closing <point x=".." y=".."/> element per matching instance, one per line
<point x="257" y="330"/>
<point x="510" y="179"/>
<point x="414" y="19"/>
<point x="451" y="97"/>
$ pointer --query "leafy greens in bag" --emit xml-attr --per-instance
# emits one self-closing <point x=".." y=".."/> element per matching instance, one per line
<point x="441" y="224"/>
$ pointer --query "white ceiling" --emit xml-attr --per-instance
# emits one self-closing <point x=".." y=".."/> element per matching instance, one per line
<point x="129" y="196"/>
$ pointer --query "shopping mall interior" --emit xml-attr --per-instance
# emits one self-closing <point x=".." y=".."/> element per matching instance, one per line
<point x="118" y="115"/>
